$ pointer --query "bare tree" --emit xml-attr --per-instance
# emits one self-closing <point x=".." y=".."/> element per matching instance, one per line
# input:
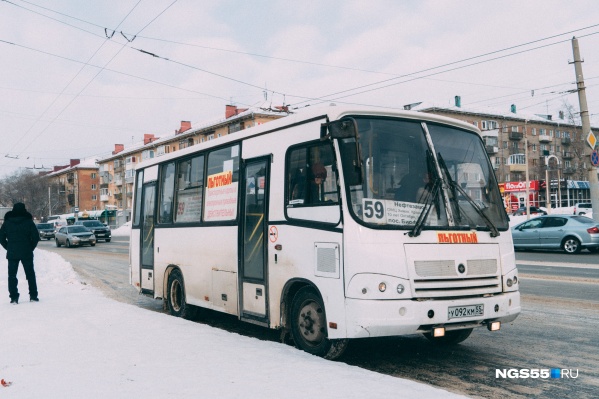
<point x="27" y="187"/>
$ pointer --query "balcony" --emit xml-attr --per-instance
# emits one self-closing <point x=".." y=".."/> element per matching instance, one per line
<point x="566" y="140"/>
<point x="517" y="168"/>
<point x="103" y="185"/>
<point x="118" y="196"/>
<point x="491" y="149"/>
<point x="568" y="171"/>
<point x="71" y="178"/>
<point x="104" y="198"/>
<point x="568" y="155"/>
<point x="543" y="138"/>
<point x="129" y="180"/>
<point x="118" y="169"/>
<point x="71" y="199"/>
<point x="516" y="135"/>
<point x="118" y="181"/>
<point x="130" y="194"/>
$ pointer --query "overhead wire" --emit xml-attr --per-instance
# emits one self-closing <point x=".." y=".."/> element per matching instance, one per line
<point x="60" y="94"/>
<point x="89" y="82"/>
<point x="323" y="98"/>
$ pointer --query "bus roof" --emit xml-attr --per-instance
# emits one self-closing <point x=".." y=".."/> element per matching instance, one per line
<point x="333" y="112"/>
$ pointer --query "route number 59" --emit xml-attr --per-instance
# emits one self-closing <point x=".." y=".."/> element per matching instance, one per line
<point x="374" y="209"/>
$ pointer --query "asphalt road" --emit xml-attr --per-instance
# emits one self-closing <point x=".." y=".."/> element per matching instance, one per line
<point x="556" y="329"/>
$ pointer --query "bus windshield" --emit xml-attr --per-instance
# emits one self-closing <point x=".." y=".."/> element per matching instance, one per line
<point x="414" y="175"/>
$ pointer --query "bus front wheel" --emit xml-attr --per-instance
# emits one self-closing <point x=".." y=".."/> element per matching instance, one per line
<point x="309" y="326"/>
<point x="176" y="295"/>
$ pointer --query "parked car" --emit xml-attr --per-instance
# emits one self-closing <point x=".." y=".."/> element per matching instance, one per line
<point x="46" y="230"/>
<point x="567" y="232"/>
<point x="582" y="208"/>
<point x="533" y="211"/>
<point x="74" y="236"/>
<point x="101" y="231"/>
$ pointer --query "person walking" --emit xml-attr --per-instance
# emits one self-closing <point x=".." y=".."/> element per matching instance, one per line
<point x="19" y="236"/>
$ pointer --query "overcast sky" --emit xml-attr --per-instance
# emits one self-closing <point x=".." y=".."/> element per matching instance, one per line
<point x="69" y="91"/>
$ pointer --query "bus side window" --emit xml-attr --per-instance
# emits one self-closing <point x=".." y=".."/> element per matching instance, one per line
<point x="311" y="176"/>
<point x="165" y="209"/>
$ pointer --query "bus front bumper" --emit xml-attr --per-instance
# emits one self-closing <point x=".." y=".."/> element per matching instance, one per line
<point x="381" y="318"/>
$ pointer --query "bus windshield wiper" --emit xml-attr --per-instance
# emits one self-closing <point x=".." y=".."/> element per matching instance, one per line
<point x="428" y="203"/>
<point x="475" y="206"/>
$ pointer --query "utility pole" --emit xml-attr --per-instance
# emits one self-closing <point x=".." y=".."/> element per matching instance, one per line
<point x="586" y="131"/>
<point x="527" y="175"/>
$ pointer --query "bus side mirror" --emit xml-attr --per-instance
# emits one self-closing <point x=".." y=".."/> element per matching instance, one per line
<point x="343" y="129"/>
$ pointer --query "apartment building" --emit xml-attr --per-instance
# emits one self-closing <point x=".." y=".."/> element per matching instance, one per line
<point x="117" y="171"/>
<point x="76" y="185"/>
<point x="555" y="148"/>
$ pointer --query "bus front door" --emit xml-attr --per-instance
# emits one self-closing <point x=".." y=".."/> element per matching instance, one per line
<point x="147" y="238"/>
<point x="252" y="242"/>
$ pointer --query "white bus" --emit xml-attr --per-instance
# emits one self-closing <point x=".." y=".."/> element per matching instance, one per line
<point x="331" y="224"/>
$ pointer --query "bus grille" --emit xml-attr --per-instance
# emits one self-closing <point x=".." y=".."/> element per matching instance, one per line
<point x="441" y="278"/>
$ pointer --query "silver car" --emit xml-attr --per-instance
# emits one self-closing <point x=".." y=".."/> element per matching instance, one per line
<point x="74" y="236"/>
<point x="567" y="232"/>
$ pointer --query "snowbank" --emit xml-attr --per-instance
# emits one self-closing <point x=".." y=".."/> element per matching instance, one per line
<point x="76" y="343"/>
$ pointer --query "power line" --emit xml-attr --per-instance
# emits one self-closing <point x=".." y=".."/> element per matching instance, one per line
<point x="87" y="85"/>
<point x="435" y="73"/>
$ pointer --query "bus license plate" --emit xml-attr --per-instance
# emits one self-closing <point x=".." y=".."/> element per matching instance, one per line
<point x="456" y="312"/>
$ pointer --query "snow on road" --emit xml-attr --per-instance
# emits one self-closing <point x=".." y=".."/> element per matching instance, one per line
<point x="76" y="343"/>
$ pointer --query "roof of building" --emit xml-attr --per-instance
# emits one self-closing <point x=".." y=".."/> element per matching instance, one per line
<point x="491" y="112"/>
<point x="89" y="163"/>
<point x="206" y="126"/>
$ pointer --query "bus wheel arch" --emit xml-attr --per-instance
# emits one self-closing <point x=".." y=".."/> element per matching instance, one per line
<point x="308" y="324"/>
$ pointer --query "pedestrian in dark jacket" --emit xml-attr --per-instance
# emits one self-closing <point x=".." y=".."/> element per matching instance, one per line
<point x="19" y="236"/>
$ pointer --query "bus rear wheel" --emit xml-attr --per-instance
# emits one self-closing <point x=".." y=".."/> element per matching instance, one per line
<point x="450" y="337"/>
<point x="176" y="295"/>
<point x="309" y="326"/>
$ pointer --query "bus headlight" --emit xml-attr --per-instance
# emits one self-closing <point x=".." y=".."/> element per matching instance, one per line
<point x="382" y="287"/>
<point x="400" y="288"/>
<point x="510" y="281"/>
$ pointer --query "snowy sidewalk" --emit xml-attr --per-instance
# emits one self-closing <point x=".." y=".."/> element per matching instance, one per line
<point x="75" y="343"/>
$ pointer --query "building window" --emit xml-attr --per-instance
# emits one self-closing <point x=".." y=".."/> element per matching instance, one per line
<point x="94" y="197"/>
<point x="210" y="137"/>
<point x="533" y="131"/>
<point x="235" y="127"/>
<point x="147" y="154"/>
<point x="186" y="143"/>
<point x="93" y="186"/>
<point x="515" y="129"/>
<point x="93" y="175"/>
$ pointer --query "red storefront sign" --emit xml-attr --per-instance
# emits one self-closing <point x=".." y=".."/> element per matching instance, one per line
<point x="518" y="186"/>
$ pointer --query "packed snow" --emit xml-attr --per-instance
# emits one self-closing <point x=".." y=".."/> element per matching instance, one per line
<point x="76" y="343"/>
